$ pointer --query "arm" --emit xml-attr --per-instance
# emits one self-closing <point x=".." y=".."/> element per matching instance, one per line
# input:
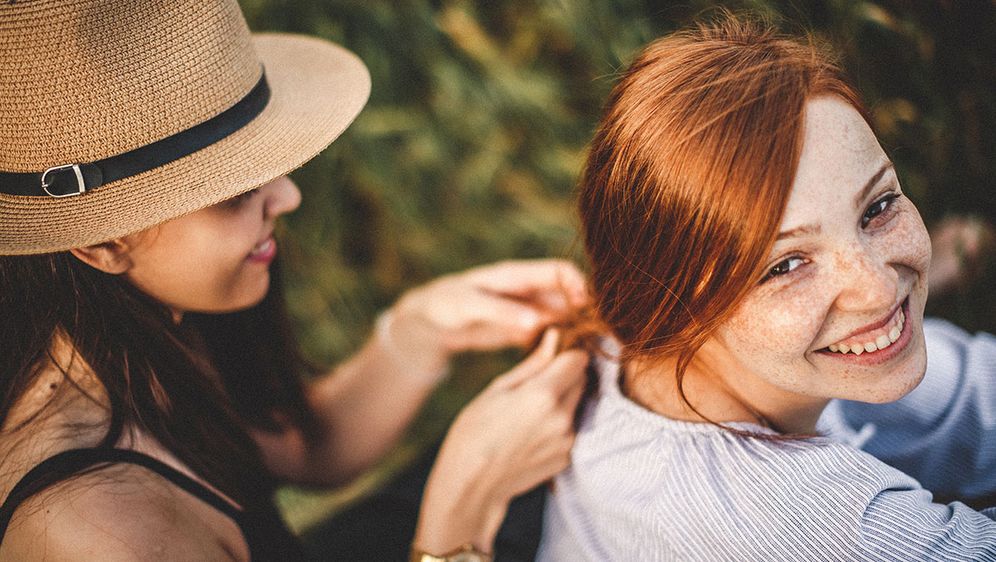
<point x="874" y="512"/>
<point x="365" y="405"/>
<point x="120" y="513"/>
<point x="513" y="436"/>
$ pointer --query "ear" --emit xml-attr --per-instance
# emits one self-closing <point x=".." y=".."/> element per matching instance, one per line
<point x="112" y="257"/>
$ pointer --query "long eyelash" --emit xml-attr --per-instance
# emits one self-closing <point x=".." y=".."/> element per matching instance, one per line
<point x="889" y="199"/>
<point x="241" y="198"/>
<point x="768" y="276"/>
<point x="247" y="194"/>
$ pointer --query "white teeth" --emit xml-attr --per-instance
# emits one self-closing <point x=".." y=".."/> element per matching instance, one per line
<point x="894" y="334"/>
<point x="881" y="342"/>
<point x="262" y="247"/>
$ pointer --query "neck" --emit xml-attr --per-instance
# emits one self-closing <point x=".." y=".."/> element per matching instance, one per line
<point x="65" y="393"/>
<point x="712" y="397"/>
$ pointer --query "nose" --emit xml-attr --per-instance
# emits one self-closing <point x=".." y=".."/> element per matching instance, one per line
<point x="282" y="196"/>
<point x="868" y="282"/>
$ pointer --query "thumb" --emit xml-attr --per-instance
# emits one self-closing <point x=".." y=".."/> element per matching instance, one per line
<point x="545" y="351"/>
<point x="565" y="373"/>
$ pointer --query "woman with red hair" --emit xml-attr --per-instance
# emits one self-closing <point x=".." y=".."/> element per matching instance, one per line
<point x="754" y="258"/>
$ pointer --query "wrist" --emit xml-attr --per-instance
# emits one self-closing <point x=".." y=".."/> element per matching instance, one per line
<point x="459" y="508"/>
<point x="419" y="356"/>
<point x="466" y="553"/>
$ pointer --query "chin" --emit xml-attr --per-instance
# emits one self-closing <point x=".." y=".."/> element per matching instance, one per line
<point x="903" y="378"/>
<point x="246" y="299"/>
<point x="249" y="301"/>
<point x="253" y="294"/>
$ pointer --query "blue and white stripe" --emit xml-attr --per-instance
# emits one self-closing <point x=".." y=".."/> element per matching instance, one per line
<point x="644" y="487"/>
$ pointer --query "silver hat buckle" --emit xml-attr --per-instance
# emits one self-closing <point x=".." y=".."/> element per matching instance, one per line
<point x="46" y="183"/>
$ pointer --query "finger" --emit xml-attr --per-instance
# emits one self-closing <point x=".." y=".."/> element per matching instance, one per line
<point x="497" y="323"/>
<point x="533" y="313"/>
<point x="526" y="278"/>
<point x="572" y="396"/>
<point x="567" y="292"/>
<point x="565" y="372"/>
<point x="534" y="363"/>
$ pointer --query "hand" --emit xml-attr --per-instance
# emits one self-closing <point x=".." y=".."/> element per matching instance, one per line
<point x="961" y="248"/>
<point x="516" y="434"/>
<point x="490" y="307"/>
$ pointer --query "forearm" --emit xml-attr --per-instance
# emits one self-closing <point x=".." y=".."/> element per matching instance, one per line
<point x="364" y="407"/>
<point x="459" y="508"/>
<point x="514" y="435"/>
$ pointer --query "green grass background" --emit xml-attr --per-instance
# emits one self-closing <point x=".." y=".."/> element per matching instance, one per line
<point x="470" y="146"/>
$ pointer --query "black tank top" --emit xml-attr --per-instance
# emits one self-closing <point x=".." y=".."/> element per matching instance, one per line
<point x="263" y="529"/>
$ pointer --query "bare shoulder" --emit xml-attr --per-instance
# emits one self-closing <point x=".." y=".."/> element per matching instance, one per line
<point x="120" y="513"/>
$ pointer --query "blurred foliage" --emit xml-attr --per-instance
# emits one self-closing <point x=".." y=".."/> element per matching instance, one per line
<point x="471" y="143"/>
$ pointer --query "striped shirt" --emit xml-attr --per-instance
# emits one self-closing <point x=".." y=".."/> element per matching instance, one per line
<point x="645" y="487"/>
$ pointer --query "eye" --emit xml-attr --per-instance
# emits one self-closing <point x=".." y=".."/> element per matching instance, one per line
<point x="877" y="208"/>
<point x="240" y="198"/>
<point x="784" y="267"/>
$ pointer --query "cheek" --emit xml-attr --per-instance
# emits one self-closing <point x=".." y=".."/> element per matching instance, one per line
<point x="908" y="243"/>
<point x="779" y="327"/>
<point x="192" y="271"/>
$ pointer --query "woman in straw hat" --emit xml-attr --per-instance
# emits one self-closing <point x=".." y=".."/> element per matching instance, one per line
<point x="147" y="392"/>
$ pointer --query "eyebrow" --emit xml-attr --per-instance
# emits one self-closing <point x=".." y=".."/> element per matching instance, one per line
<point x="886" y="166"/>
<point x="807" y="230"/>
<point x="811" y="229"/>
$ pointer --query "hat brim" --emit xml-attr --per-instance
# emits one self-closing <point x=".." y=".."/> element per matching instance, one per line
<point x="317" y="89"/>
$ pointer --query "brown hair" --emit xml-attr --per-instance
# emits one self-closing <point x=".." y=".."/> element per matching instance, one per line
<point x="688" y="176"/>
<point x="196" y="387"/>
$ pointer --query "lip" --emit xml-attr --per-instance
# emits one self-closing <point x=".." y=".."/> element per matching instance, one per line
<point x="879" y="324"/>
<point x="266" y="256"/>
<point x="882" y="355"/>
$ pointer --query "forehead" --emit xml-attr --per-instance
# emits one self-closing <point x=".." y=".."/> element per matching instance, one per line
<point x="839" y="154"/>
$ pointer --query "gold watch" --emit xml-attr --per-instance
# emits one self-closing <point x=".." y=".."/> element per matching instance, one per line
<point x="466" y="553"/>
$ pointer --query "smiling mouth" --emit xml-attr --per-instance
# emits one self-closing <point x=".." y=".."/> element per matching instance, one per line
<point x="262" y="248"/>
<point x="876" y="340"/>
<point x="264" y="251"/>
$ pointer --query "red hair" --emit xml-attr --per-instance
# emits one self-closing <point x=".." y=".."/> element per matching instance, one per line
<point x="688" y="176"/>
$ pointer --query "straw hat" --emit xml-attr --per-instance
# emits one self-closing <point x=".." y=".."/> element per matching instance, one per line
<point x="116" y="115"/>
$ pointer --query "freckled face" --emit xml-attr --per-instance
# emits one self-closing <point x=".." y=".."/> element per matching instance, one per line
<point x="848" y="273"/>
<point x="216" y="259"/>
